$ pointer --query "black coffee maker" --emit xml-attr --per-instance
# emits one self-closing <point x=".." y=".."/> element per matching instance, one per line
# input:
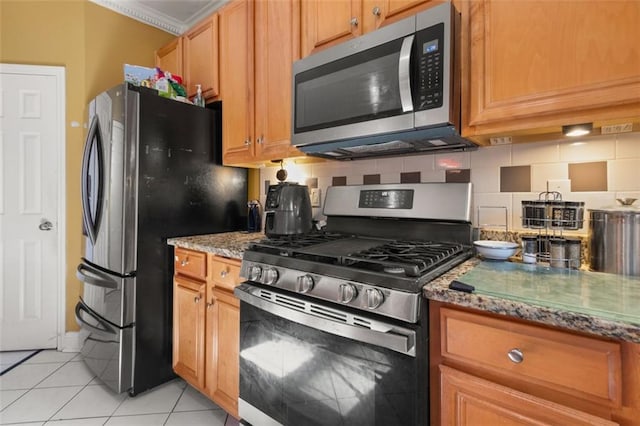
<point x="287" y="210"/>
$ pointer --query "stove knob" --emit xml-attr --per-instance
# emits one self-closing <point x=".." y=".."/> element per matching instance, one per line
<point x="374" y="298"/>
<point x="255" y="272"/>
<point x="304" y="284"/>
<point x="270" y="276"/>
<point x="346" y="293"/>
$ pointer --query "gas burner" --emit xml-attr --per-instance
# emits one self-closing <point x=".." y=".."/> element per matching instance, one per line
<point x="395" y="270"/>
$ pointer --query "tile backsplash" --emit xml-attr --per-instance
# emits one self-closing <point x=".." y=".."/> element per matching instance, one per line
<point x="615" y="160"/>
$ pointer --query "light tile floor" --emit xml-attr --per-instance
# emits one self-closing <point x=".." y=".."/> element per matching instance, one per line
<point x="56" y="388"/>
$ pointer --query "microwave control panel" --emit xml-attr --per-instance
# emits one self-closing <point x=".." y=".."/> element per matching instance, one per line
<point x="430" y="47"/>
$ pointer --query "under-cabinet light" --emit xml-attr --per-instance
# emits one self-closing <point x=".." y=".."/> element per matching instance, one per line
<point x="577" y="129"/>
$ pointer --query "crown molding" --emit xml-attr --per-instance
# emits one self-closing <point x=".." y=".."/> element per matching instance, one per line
<point x="147" y="15"/>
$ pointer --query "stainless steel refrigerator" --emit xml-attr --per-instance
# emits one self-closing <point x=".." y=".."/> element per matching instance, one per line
<point x="150" y="171"/>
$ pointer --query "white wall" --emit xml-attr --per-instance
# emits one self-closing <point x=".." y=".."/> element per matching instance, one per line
<point x="548" y="161"/>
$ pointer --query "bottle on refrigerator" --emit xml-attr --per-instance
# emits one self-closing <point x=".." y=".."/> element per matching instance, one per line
<point x="198" y="99"/>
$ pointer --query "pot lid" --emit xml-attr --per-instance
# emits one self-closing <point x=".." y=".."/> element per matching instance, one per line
<point x="625" y="205"/>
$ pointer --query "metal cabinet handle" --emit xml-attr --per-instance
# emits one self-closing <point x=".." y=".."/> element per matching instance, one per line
<point x="354" y="21"/>
<point x="213" y="302"/>
<point x="376" y="11"/>
<point x="197" y="299"/>
<point x="45" y="225"/>
<point x="515" y="355"/>
<point x="247" y="142"/>
<point x="260" y="140"/>
<point x="185" y="262"/>
<point x="224" y="273"/>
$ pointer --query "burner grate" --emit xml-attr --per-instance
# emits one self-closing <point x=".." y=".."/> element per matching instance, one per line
<point x="411" y="258"/>
<point x="391" y="257"/>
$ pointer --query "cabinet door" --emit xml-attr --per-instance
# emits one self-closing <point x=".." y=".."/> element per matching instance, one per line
<point x="469" y="400"/>
<point x="326" y="23"/>
<point x="223" y="325"/>
<point x="376" y="13"/>
<point x="188" y="330"/>
<point x="277" y="46"/>
<point x="169" y="57"/>
<point x="201" y="58"/>
<point x="236" y="78"/>
<point x="538" y="64"/>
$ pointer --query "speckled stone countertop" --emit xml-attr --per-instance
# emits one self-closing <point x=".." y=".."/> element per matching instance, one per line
<point x="604" y="304"/>
<point x="228" y="244"/>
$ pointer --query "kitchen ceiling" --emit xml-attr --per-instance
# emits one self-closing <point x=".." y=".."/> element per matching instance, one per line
<point x="173" y="16"/>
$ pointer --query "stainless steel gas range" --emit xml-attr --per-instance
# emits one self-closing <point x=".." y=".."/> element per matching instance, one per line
<point x="333" y="326"/>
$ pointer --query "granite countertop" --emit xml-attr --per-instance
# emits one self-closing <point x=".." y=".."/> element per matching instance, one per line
<point x="604" y="304"/>
<point x="228" y="244"/>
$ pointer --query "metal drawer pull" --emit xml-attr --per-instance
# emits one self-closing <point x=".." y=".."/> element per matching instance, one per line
<point x="516" y="356"/>
<point x="354" y="22"/>
<point x="376" y="11"/>
<point x="223" y="273"/>
<point x="197" y="299"/>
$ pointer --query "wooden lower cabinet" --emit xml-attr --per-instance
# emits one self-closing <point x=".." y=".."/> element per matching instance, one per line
<point x="188" y="330"/>
<point x="223" y="342"/>
<point x="470" y="400"/>
<point x="487" y="369"/>
<point x="206" y="327"/>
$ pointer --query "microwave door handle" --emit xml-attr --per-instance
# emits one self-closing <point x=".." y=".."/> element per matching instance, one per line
<point x="404" y="73"/>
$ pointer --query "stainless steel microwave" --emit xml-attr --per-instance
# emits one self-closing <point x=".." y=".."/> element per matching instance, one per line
<point x="394" y="91"/>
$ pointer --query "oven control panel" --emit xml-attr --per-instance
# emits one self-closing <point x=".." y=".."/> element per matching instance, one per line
<point x="383" y="301"/>
<point x="386" y="199"/>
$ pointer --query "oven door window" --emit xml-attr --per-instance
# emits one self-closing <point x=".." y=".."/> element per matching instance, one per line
<point x="298" y="375"/>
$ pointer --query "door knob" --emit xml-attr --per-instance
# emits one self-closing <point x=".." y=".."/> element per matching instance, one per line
<point x="45" y="225"/>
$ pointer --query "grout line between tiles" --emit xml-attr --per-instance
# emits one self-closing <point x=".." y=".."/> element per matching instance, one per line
<point x="175" y="404"/>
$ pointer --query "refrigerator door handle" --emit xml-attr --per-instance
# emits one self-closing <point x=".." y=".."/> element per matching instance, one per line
<point x="90" y="221"/>
<point x="107" y="331"/>
<point x="87" y="274"/>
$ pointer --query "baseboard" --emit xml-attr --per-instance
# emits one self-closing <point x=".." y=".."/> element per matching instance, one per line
<point x="72" y="341"/>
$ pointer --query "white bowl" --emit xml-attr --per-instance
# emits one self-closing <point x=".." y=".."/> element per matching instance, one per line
<point x="497" y="250"/>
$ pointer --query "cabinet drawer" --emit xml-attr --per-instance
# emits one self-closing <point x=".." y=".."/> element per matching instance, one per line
<point x="225" y="273"/>
<point x="581" y="366"/>
<point x="190" y="263"/>
<point x="470" y="400"/>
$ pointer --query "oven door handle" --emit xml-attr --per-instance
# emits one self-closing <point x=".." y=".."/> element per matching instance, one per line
<point x="381" y="334"/>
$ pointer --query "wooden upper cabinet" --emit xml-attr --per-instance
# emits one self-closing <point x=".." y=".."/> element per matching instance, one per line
<point x="201" y="58"/>
<point x="236" y="78"/>
<point x="326" y="23"/>
<point x="169" y="57"/>
<point x="276" y="47"/>
<point x="377" y="13"/>
<point x="538" y="64"/>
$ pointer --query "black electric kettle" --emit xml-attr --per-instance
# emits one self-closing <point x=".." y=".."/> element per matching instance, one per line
<point x="254" y="222"/>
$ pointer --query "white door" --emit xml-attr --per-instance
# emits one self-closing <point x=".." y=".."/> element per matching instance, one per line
<point x="31" y="149"/>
